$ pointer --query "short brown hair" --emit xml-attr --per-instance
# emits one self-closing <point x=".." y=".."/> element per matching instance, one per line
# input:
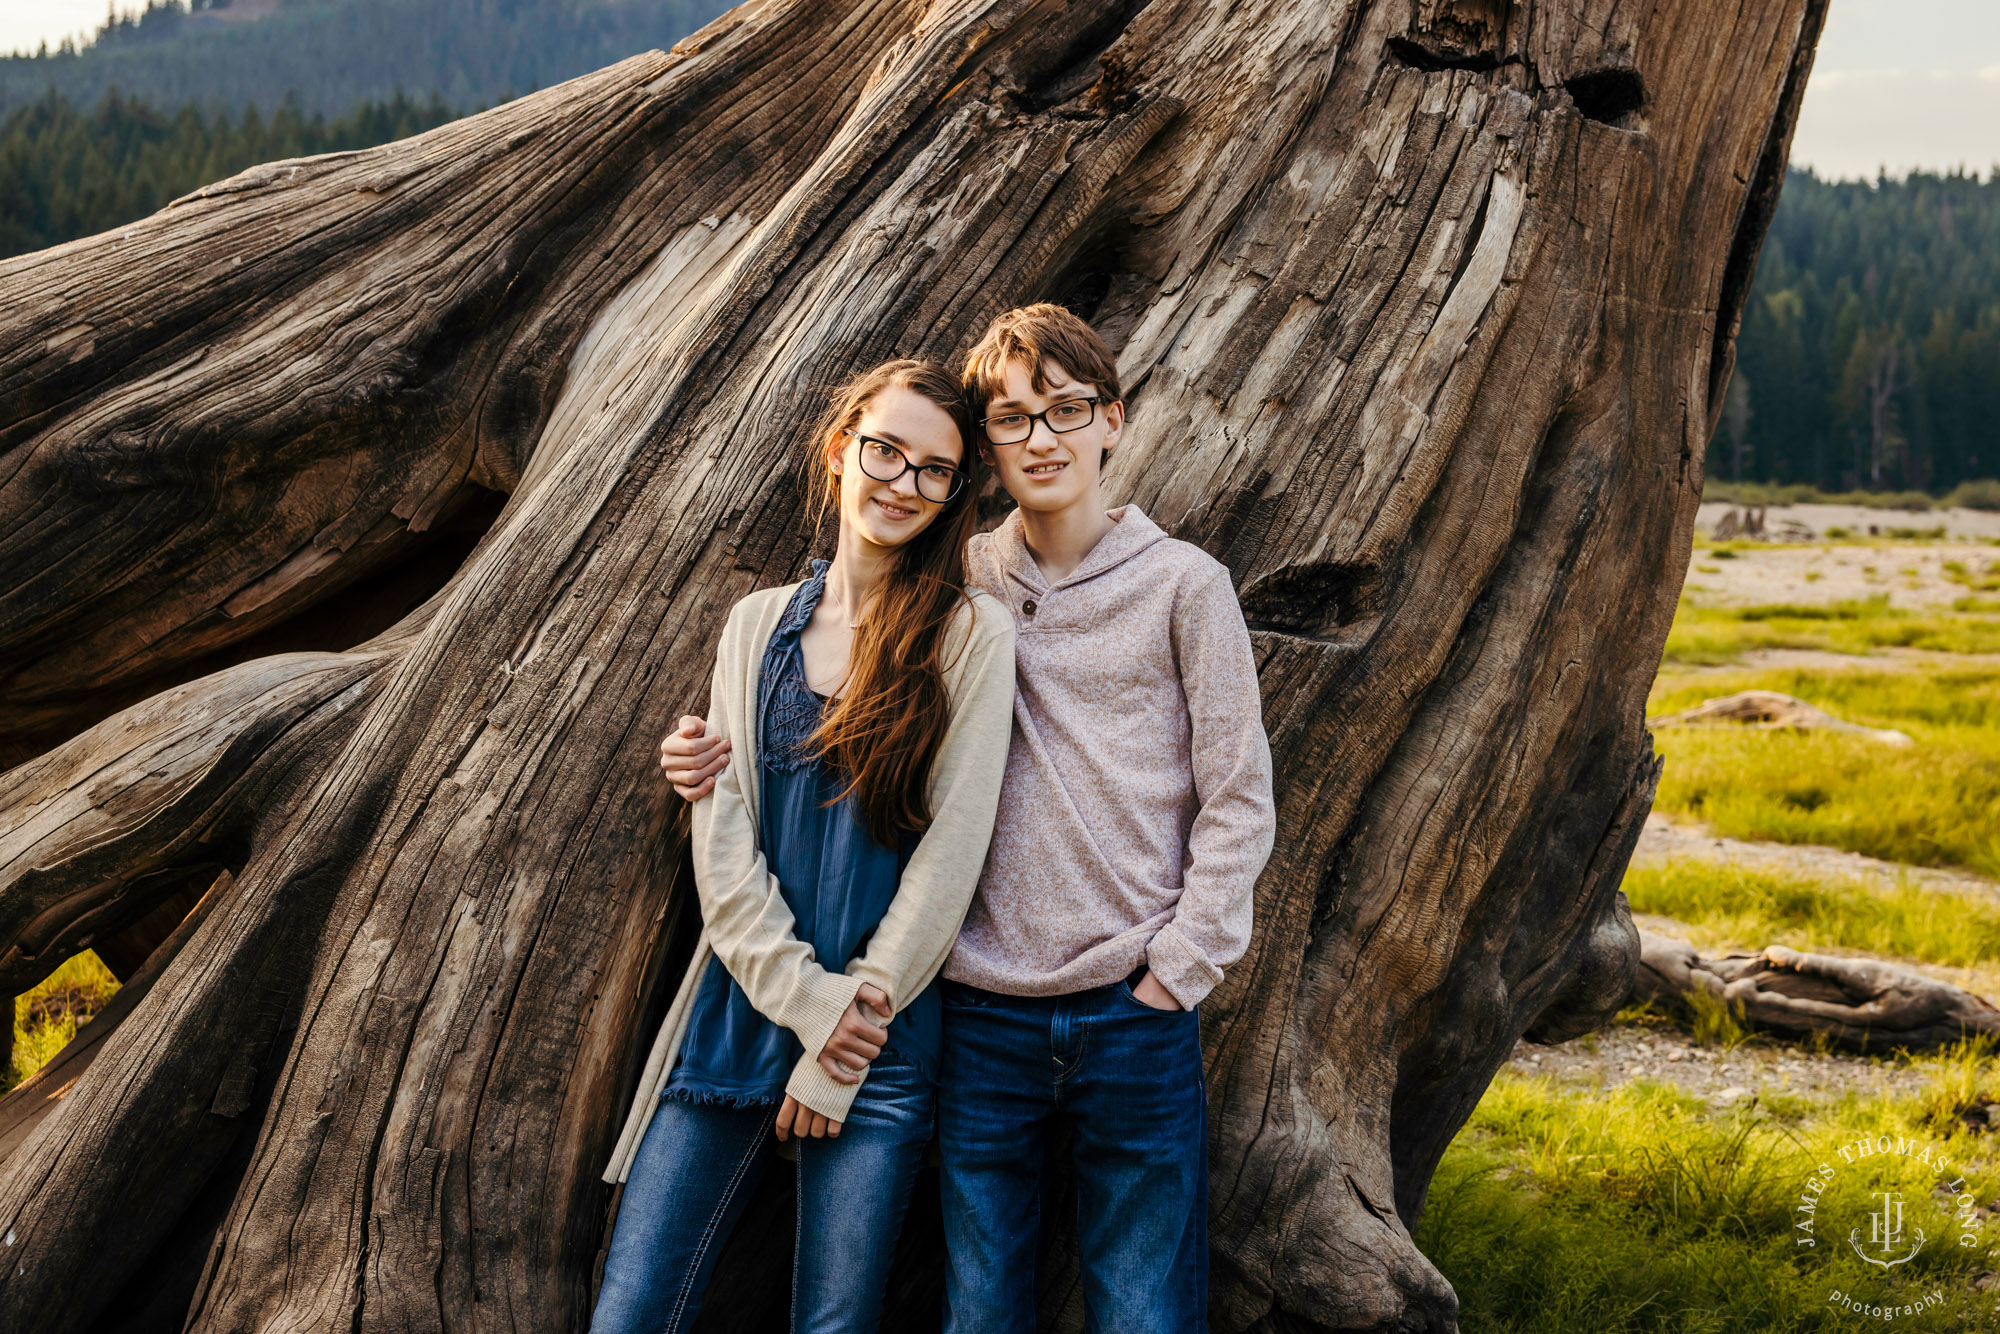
<point x="1032" y="335"/>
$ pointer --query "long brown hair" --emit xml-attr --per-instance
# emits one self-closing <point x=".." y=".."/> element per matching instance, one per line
<point x="883" y="732"/>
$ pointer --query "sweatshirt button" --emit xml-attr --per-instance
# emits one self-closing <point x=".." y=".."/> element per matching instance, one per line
<point x="1028" y="607"/>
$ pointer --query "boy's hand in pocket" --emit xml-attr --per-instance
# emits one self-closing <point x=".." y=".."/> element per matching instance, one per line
<point x="1150" y="992"/>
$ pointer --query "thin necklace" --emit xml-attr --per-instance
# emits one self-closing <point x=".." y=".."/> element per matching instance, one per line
<point x="852" y="625"/>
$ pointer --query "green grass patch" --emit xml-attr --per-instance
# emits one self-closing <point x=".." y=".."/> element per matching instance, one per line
<point x="1728" y="902"/>
<point x="1985" y="579"/>
<point x="1712" y="636"/>
<point x="1715" y="1022"/>
<point x="1636" y="1209"/>
<point x="46" y="1018"/>
<point x="1936" y="803"/>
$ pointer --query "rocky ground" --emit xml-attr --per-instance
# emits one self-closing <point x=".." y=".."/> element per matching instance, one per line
<point x="1622" y="1053"/>
<point x="1911" y="575"/>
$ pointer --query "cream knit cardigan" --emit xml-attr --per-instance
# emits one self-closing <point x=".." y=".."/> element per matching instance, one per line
<point x="745" y="920"/>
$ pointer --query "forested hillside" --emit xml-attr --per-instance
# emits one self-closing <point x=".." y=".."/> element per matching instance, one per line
<point x="1870" y="351"/>
<point x="65" y="173"/>
<point x="336" y="54"/>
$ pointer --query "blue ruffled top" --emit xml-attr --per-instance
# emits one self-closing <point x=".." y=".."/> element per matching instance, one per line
<point x="837" y="880"/>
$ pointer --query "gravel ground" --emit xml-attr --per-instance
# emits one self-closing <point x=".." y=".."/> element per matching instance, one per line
<point x="1912" y="575"/>
<point x="1618" y="1055"/>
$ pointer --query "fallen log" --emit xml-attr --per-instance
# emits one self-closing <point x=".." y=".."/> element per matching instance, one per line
<point x="1864" y="1005"/>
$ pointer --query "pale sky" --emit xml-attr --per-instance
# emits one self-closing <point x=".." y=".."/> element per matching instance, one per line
<point x="26" y="24"/>
<point x="1901" y="84"/>
<point x="1898" y="83"/>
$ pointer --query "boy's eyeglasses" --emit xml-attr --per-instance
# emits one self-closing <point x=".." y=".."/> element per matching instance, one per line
<point x="936" y="482"/>
<point x="1011" y="428"/>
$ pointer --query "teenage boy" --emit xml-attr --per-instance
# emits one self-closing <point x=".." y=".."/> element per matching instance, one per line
<point x="1134" y="820"/>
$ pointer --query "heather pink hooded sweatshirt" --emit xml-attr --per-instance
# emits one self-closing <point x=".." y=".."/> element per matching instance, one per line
<point x="1136" y="812"/>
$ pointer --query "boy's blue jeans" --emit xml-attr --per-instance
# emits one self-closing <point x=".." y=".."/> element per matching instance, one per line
<point x="695" y="1171"/>
<point x="1128" y="1080"/>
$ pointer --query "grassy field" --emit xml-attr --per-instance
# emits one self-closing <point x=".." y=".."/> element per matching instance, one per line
<point x="1936" y="803"/>
<point x="1710" y="635"/>
<point x="1641" y="1209"/>
<point x="1725" y="903"/>
<point x="1638" y="1206"/>
<point x="1983" y="494"/>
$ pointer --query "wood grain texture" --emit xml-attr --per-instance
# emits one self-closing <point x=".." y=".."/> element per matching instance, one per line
<point x="1421" y="306"/>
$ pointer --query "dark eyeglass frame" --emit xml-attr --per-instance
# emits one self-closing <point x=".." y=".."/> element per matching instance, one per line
<point x="957" y="474"/>
<point x="1095" y="400"/>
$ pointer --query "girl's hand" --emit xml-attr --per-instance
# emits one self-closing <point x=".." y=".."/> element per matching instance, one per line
<point x="691" y="758"/>
<point x="856" y="1039"/>
<point x="795" y="1118"/>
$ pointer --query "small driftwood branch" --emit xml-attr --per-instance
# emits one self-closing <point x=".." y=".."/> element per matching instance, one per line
<point x="1862" y="1004"/>
<point x="1771" y="709"/>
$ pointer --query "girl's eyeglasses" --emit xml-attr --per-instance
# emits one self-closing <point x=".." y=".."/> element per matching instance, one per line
<point x="936" y="482"/>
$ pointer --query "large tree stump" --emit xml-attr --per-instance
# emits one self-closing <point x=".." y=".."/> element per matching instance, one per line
<point x="1427" y="309"/>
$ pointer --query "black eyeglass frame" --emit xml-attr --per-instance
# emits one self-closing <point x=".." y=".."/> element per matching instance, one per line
<point x="957" y="474"/>
<point x="1095" y="401"/>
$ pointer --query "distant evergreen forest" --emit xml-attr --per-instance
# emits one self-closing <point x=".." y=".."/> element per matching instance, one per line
<point x="65" y="173"/>
<point x="1870" y="350"/>
<point x="333" y="55"/>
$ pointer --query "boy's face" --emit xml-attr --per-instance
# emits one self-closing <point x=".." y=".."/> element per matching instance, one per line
<point x="1050" y="470"/>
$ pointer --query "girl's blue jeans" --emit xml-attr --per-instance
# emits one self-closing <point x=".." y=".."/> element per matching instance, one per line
<point x="695" y="1171"/>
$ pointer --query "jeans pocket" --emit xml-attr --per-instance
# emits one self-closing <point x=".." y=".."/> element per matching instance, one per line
<point x="1125" y="990"/>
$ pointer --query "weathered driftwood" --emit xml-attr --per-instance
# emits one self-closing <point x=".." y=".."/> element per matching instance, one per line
<point x="1773" y="710"/>
<point x="1426" y="310"/>
<point x="41" y="1092"/>
<point x="1749" y="523"/>
<point x="1864" y="1004"/>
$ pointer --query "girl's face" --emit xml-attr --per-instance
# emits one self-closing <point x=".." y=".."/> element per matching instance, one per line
<point x="898" y="427"/>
